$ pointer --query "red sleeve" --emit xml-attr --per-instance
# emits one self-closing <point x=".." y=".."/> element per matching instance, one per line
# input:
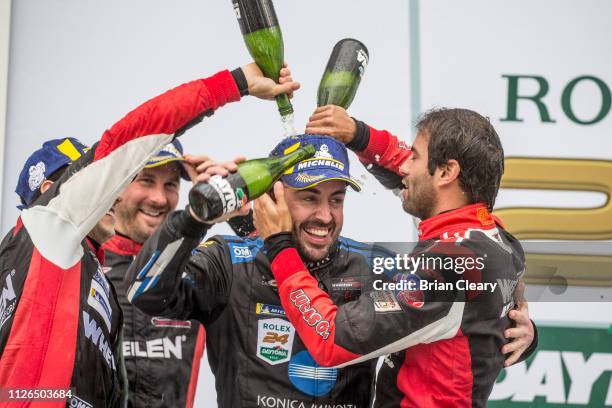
<point x="299" y="292"/>
<point x="101" y="174"/>
<point x="375" y="324"/>
<point x="384" y="149"/>
<point x="168" y="112"/>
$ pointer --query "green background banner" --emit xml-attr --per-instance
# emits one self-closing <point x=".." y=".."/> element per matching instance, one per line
<point x="571" y="368"/>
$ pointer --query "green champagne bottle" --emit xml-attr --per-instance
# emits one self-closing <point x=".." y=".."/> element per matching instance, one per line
<point x="254" y="177"/>
<point x="264" y="40"/>
<point x="343" y="73"/>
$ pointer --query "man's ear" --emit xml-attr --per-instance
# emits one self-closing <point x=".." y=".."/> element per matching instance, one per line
<point x="45" y="186"/>
<point x="449" y="172"/>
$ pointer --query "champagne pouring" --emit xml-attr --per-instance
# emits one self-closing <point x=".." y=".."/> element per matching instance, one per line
<point x="221" y="196"/>
<point x="264" y="40"/>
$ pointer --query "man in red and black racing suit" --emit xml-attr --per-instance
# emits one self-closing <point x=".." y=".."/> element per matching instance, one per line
<point x="443" y="330"/>
<point x="60" y="320"/>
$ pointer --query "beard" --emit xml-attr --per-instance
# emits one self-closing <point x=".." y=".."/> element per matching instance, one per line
<point x="132" y="225"/>
<point x="309" y="252"/>
<point x="421" y="199"/>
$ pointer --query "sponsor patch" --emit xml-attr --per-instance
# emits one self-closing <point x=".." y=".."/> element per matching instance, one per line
<point x="485" y="218"/>
<point x="165" y="347"/>
<point x="309" y="377"/>
<point x="76" y="402"/>
<point x="412" y="298"/>
<point x="94" y="333"/>
<point x="310" y="315"/>
<point x="274" y="340"/>
<point x="265" y="309"/>
<point x="342" y="284"/>
<point x="177" y="324"/>
<point x="271" y="283"/>
<point x="98" y="298"/>
<point x="8" y="299"/>
<point x="385" y="301"/>
<point x="206" y="244"/>
<point x="240" y="252"/>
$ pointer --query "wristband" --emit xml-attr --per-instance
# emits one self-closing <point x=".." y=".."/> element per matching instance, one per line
<point x="241" y="81"/>
<point x="362" y="137"/>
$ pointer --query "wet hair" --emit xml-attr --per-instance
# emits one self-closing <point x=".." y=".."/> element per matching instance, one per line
<point x="469" y="138"/>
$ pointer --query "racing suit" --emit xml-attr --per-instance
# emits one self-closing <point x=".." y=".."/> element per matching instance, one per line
<point x="60" y="319"/>
<point x="162" y="356"/>
<point x="254" y="352"/>
<point x="442" y="343"/>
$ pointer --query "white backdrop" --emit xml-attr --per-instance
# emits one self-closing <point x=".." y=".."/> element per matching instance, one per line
<point x="78" y="66"/>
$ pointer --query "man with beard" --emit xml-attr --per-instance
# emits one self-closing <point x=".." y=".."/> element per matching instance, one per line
<point x="162" y="356"/>
<point x="60" y="319"/>
<point x="256" y="358"/>
<point x="444" y="329"/>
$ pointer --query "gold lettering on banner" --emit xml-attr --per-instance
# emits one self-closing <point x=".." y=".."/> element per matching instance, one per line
<point x="562" y="223"/>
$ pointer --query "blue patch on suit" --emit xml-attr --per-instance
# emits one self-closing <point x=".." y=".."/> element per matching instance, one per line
<point x="242" y="252"/>
<point x="309" y="377"/>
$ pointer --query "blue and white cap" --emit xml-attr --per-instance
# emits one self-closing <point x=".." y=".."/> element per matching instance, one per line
<point x="172" y="152"/>
<point x="52" y="156"/>
<point x="330" y="162"/>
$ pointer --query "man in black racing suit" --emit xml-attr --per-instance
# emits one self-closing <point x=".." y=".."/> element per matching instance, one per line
<point x="256" y="358"/>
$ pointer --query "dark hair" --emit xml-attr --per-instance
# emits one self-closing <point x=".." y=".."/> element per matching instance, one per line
<point x="469" y="138"/>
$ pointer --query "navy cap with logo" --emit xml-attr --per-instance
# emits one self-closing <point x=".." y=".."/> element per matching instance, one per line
<point x="52" y="156"/>
<point x="330" y="162"/>
<point x="172" y="152"/>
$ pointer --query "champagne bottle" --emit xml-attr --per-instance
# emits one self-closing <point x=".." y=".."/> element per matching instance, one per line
<point x="264" y="40"/>
<point x="254" y="177"/>
<point x="343" y="73"/>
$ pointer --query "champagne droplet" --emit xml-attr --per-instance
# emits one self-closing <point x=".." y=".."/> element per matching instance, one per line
<point x="288" y="123"/>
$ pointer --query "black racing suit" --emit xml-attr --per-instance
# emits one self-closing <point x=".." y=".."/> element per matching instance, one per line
<point x="162" y="356"/>
<point x="255" y="354"/>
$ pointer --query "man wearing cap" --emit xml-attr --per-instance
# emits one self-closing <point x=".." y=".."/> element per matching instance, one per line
<point x="255" y="354"/>
<point x="60" y="318"/>
<point x="162" y="356"/>
<point x="442" y="325"/>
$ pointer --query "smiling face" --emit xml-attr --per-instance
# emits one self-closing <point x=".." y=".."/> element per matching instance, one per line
<point x="318" y="215"/>
<point x="419" y="198"/>
<point x="146" y="202"/>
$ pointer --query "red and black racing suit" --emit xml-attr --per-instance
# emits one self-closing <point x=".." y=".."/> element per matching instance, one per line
<point x="162" y="356"/>
<point x="59" y="316"/>
<point x="442" y="345"/>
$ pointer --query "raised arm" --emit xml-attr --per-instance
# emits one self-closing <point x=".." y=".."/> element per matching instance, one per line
<point x="174" y="276"/>
<point x="381" y="152"/>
